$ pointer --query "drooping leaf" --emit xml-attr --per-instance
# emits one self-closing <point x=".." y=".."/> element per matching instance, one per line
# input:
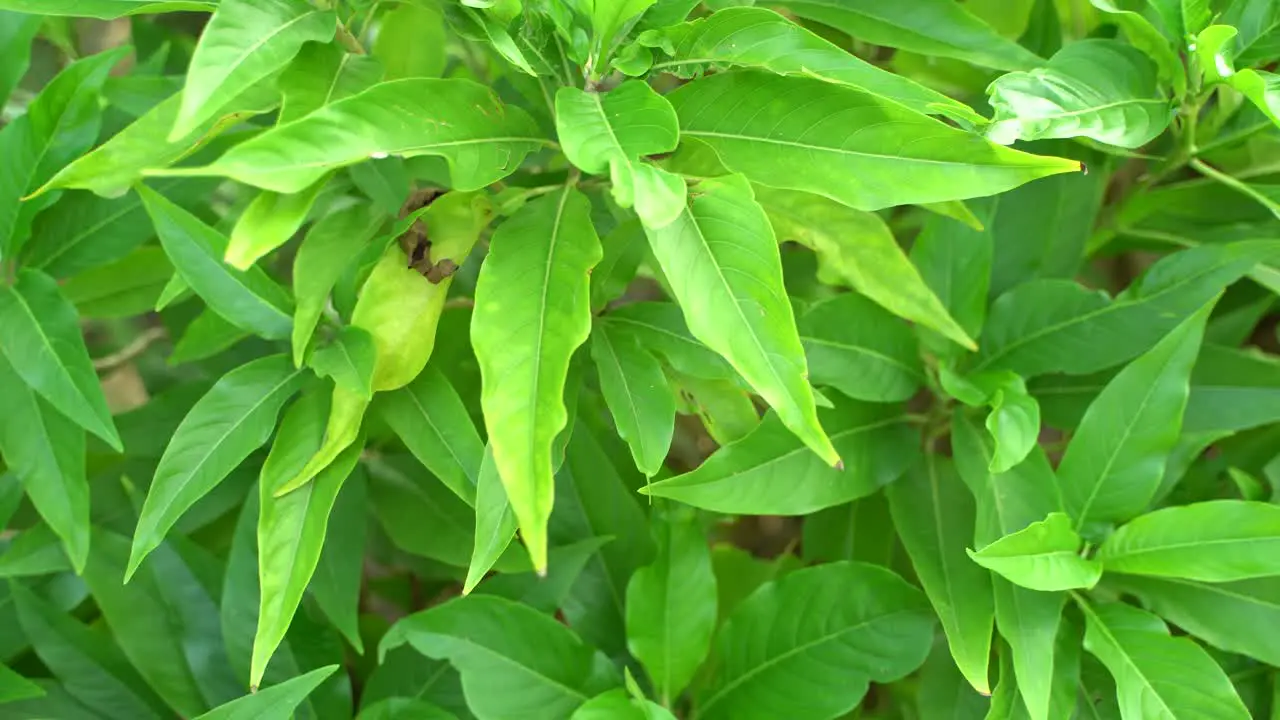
<point x="1157" y="676"/>
<point x="1099" y="89"/>
<point x="857" y="249"/>
<point x="481" y="139"/>
<point x="525" y="328"/>
<point x="722" y="262"/>
<point x="292" y="528"/>
<point x="60" y="123"/>
<point x="514" y="660"/>
<point x="932" y="27"/>
<point x="638" y="395"/>
<point x="248" y="299"/>
<point x="761" y="38"/>
<point x="46" y="451"/>
<point x="671" y="606"/>
<point x="349" y="360"/>
<point x="1214" y="541"/>
<point x="495" y="523"/>
<point x="860" y="350"/>
<point x="934" y="516"/>
<point x="40" y="337"/>
<point x="770" y="471"/>
<point x="1044" y="556"/>
<point x="244" y="42"/>
<point x="1113" y="466"/>
<point x="267" y="223"/>
<point x="336" y="583"/>
<point x="232" y="420"/>
<point x="277" y="702"/>
<point x="889" y="156"/>
<point x="838" y="626"/>
<point x="611" y="132"/>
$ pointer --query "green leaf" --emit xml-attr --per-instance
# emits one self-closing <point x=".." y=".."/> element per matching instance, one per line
<point x="1043" y="556"/>
<point x="329" y="247"/>
<point x="1144" y="36"/>
<point x="60" y="123"/>
<point x="396" y="708"/>
<point x="525" y="328"/>
<point x="89" y="665"/>
<point x="1030" y="325"/>
<point x="608" y="17"/>
<point x="856" y="347"/>
<point x="624" y="249"/>
<point x="40" y="337"/>
<point x="1226" y="615"/>
<point x="1257" y="21"/>
<point x="33" y="551"/>
<point x="495" y="523"/>
<point x="244" y="42"/>
<point x="336" y="583"/>
<point x="17" y="30"/>
<point x="232" y="420"/>
<point x="322" y="74"/>
<point x="434" y="425"/>
<point x="934" y="516"/>
<point x="1014" y="424"/>
<point x="514" y="660"/>
<point x="931" y="27"/>
<point x="481" y="139"/>
<point x="611" y="132"/>
<point x="269" y="221"/>
<point x="277" y="702"/>
<point x="1113" y="466"/>
<point x="1157" y="676"/>
<point x="671" y="606"/>
<point x="292" y="528"/>
<point x="46" y="451"/>
<point x="838" y="626"/>
<point x="14" y="687"/>
<point x="1099" y="89"/>
<point x="205" y="336"/>
<point x="660" y="327"/>
<point x="1214" y="541"/>
<point x="639" y="398"/>
<point x="944" y="693"/>
<point x="1008" y="502"/>
<point x="890" y="156"/>
<point x="127" y="287"/>
<point x="770" y="472"/>
<point x="165" y="622"/>
<point x="955" y="262"/>
<point x="349" y="360"/>
<point x="106" y="9"/>
<point x="858" y="249"/>
<point x="120" y="162"/>
<point x="721" y="259"/>
<point x="411" y="42"/>
<point x="249" y="299"/>
<point x="618" y="705"/>
<point x="761" y="38"/>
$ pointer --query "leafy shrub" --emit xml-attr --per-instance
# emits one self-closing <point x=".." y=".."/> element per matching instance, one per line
<point x="604" y="359"/>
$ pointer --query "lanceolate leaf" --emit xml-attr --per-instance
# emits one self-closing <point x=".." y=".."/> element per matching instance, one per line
<point x="291" y="528"/>
<point x="1113" y="466"/>
<point x="495" y="523"/>
<point x="1157" y="676"/>
<point x="249" y="300"/>
<point x="277" y="702"/>
<point x="1044" y="556"/>
<point x="722" y="262"/>
<point x="660" y="326"/>
<point x="245" y="41"/>
<point x="761" y="38"/>
<point x="232" y="420"/>
<point x="481" y="139"/>
<point x="323" y="74"/>
<point x="609" y="132"/>
<point x="771" y="471"/>
<point x="106" y="9"/>
<point x="1100" y="89"/>
<point x="514" y="660"/>
<point x="857" y="249"/>
<point x="526" y="326"/>
<point x="860" y="350"/>
<point x="40" y="337"/>
<point x="857" y="148"/>
<point x="45" y="451"/>
<point x="671" y="607"/>
<point x="17" y="30"/>
<point x="269" y="221"/>
<point x="60" y="123"/>
<point x="1215" y="541"/>
<point x="639" y="397"/>
<point x="336" y="584"/>
<point x="933" y="514"/>
<point x="1144" y="36"/>
<point x="933" y="27"/>
<point x="855" y="622"/>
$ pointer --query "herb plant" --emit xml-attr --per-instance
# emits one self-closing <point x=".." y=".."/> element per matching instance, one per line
<point x="627" y="359"/>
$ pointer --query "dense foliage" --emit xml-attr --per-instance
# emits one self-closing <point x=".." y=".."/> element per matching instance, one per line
<point x="639" y="359"/>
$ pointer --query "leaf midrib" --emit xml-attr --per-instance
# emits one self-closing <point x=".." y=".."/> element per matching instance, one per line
<point x="1186" y="545"/>
<point x="852" y="153"/>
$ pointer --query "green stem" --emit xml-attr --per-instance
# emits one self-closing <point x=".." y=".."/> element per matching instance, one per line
<point x="1211" y="172"/>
